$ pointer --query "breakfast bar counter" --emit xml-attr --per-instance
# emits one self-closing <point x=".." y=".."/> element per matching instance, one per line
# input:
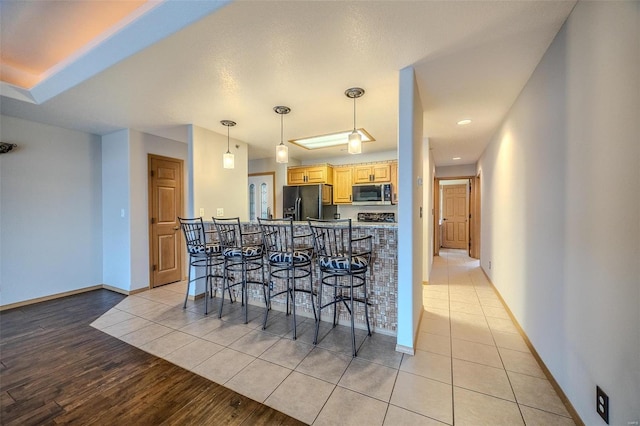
<point x="382" y="279"/>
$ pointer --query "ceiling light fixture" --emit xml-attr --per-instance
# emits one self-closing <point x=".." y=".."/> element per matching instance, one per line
<point x="330" y="140"/>
<point x="282" y="151"/>
<point x="227" y="158"/>
<point x="456" y="158"/>
<point x="355" y="140"/>
<point x="464" y="122"/>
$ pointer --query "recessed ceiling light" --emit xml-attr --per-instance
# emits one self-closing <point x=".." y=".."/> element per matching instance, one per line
<point x="464" y="122"/>
<point x="457" y="158"/>
<point x="333" y="139"/>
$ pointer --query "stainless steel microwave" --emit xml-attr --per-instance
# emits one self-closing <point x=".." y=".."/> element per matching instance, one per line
<point x="372" y="194"/>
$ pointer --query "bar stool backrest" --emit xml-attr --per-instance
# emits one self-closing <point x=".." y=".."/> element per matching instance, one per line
<point x="277" y="235"/>
<point x="332" y="238"/>
<point x="194" y="234"/>
<point x="229" y="232"/>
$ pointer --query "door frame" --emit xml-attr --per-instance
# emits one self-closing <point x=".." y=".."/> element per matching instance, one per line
<point x="273" y="183"/>
<point x="180" y="212"/>
<point x="473" y="233"/>
<point x="464" y="185"/>
<point x="474" y="222"/>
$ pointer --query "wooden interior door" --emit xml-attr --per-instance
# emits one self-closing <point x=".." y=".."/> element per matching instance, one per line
<point x="454" y="216"/>
<point x="165" y="205"/>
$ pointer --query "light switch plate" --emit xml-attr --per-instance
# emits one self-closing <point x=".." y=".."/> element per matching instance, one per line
<point x="201" y="211"/>
<point x="220" y="212"/>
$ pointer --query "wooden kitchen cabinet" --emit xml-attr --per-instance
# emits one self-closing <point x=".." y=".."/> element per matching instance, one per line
<point x="327" y="194"/>
<point x="367" y="173"/>
<point x="394" y="180"/>
<point x="342" y="181"/>
<point x="305" y="175"/>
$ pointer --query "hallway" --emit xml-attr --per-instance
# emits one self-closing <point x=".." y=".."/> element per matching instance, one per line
<point x="496" y="380"/>
<point x="471" y="366"/>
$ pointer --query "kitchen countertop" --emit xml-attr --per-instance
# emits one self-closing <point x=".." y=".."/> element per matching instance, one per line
<point x="356" y="224"/>
<point x="374" y="224"/>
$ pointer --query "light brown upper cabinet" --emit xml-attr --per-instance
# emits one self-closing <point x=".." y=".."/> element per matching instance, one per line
<point x="304" y="175"/>
<point x="366" y="173"/>
<point x="342" y="179"/>
<point x="327" y="193"/>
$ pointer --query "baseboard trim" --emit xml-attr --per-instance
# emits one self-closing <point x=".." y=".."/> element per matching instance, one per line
<point x="70" y="293"/>
<point x="563" y="397"/>
<point x="138" y="290"/>
<point x="405" y="350"/>
<point x="412" y="350"/>
<point x="115" y="289"/>
<point x="50" y="297"/>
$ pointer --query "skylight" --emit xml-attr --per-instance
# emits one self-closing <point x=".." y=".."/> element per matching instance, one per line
<point x="331" y="139"/>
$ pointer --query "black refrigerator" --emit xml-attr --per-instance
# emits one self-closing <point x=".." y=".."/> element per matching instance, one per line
<point x="301" y="202"/>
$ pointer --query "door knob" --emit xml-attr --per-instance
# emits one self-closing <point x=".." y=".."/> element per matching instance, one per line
<point x="175" y="228"/>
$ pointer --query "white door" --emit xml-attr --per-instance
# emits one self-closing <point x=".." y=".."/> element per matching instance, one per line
<point x="261" y="196"/>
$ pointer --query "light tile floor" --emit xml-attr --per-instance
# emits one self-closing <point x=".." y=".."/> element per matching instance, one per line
<point x="471" y="366"/>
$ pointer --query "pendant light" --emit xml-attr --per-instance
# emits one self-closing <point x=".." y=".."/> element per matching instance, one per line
<point x="282" y="151"/>
<point x="227" y="158"/>
<point x="355" y="140"/>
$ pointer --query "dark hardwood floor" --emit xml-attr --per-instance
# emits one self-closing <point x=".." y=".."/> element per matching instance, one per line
<point x="55" y="368"/>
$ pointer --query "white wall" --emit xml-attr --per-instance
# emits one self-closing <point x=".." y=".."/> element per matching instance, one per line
<point x="410" y="223"/>
<point x="561" y="209"/>
<point x="116" y="210"/>
<point x="125" y="187"/>
<point x="365" y="157"/>
<point x="428" y="171"/>
<point x="213" y="186"/>
<point x="50" y="211"/>
<point x="141" y="145"/>
<point x="456" y="171"/>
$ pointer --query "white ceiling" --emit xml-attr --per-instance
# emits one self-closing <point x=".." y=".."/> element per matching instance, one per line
<point x="471" y="59"/>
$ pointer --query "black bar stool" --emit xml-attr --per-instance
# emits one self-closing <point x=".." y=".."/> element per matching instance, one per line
<point x="203" y="252"/>
<point x="289" y="259"/>
<point x="343" y="262"/>
<point x="242" y="252"/>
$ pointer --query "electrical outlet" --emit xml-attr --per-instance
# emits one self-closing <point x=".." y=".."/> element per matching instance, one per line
<point x="602" y="404"/>
<point x="219" y="212"/>
<point x="201" y="211"/>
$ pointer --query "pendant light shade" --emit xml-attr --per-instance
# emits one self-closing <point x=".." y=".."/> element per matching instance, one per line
<point x="282" y="151"/>
<point x="355" y="143"/>
<point x="228" y="161"/>
<point x="355" y="139"/>
<point x="227" y="158"/>
<point x="282" y="154"/>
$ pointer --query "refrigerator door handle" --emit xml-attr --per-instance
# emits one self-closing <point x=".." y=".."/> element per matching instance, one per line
<point x="297" y="215"/>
